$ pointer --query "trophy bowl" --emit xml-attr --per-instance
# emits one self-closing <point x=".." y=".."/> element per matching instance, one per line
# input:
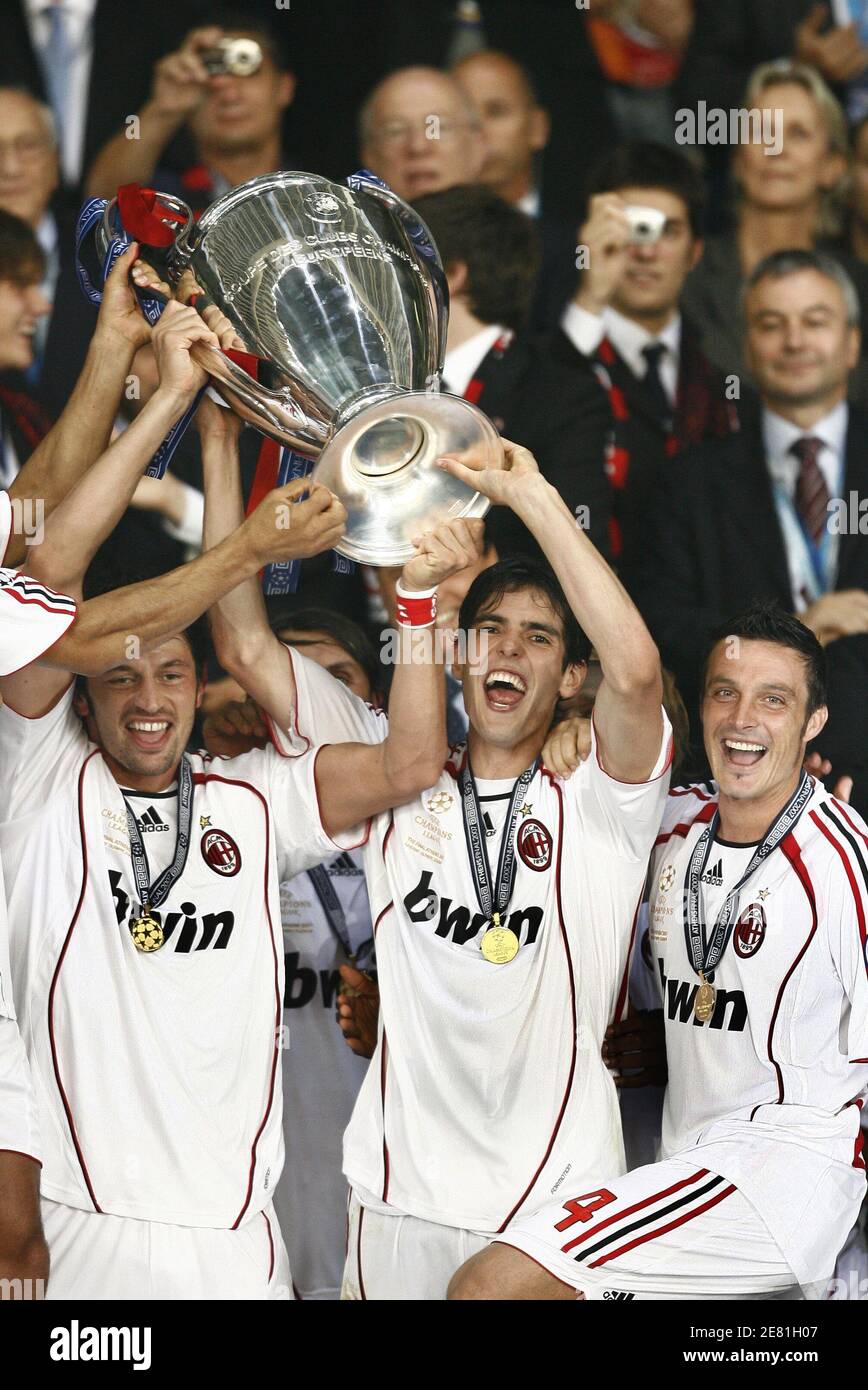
<point x="339" y="291"/>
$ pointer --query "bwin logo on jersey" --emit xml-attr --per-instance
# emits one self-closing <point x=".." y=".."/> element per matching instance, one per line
<point x="457" y="924"/>
<point x="184" y="930"/>
<point x="680" y="996"/>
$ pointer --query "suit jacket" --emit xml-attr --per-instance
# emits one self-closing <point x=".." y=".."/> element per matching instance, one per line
<point x="70" y="325"/>
<point x="561" y="416"/>
<point x="640" y="446"/>
<point x="124" y="54"/>
<point x="713" y="544"/>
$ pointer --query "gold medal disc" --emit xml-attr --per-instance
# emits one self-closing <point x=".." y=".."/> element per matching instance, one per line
<point x="499" y="945"/>
<point x="147" y="934"/>
<point x="703" y="1004"/>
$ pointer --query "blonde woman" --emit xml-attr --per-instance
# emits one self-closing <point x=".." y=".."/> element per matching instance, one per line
<point x="789" y="196"/>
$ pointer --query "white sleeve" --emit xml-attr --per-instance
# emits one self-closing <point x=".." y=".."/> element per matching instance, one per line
<point x="290" y="785"/>
<point x="39" y="755"/>
<point x="188" y="531"/>
<point x="32" y="618"/>
<point x="628" y="814"/>
<point x="847" y="915"/>
<point x="326" y="711"/>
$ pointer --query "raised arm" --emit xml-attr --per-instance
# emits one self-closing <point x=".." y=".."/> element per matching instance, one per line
<point x="246" y="647"/>
<point x="179" y="86"/>
<point x="627" y="711"/>
<point x="82" y="432"/>
<point x="354" y="780"/>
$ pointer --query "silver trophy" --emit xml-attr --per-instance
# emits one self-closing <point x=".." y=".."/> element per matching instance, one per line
<point x="341" y="292"/>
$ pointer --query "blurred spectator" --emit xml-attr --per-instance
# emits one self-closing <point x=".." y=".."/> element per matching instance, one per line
<point x="28" y="184"/>
<point x="856" y="241"/>
<point x="89" y="60"/>
<point x="640" y="45"/>
<point x="790" y="195"/>
<point x="488" y="251"/>
<point x="234" y="121"/>
<point x="515" y="128"/>
<point x="419" y="132"/>
<point x="22" y="304"/>
<point x="625" y="324"/>
<point x="757" y="515"/>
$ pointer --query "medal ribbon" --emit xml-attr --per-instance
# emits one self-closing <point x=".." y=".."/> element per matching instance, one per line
<point x="321" y="881"/>
<point x="705" y="955"/>
<point x="491" y="904"/>
<point x="153" y="894"/>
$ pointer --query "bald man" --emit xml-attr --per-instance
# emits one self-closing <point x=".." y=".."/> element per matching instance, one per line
<point x="419" y="132"/>
<point x="515" y="127"/>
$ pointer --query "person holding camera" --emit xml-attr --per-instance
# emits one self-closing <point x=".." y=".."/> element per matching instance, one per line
<point x="642" y="237"/>
<point x="229" y="85"/>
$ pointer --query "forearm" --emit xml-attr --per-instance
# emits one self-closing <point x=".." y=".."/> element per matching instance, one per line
<point x="93" y="508"/>
<point x="126" y="623"/>
<point x="122" y="160"/>
<point x="245" y="645"/>
<point x="80" y="435"/>
<point x="415" y="750"/>
<point x="599" y="601"/>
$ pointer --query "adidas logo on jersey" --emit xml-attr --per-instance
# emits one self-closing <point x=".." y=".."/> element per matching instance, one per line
<point x="150" y="820"/>
<point x="345" y="867"/>
<point x="714" y="874"/>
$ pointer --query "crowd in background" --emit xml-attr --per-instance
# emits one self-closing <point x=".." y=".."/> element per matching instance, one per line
<point x="698" y="397"/>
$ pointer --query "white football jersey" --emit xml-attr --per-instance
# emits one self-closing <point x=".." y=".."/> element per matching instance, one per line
<point x="767" y="1092"/>
<point x="487" y="1088"/>
<point x="157" y="1075"/>
<point x="32" y="619"/>
<point x="321" y="1076"/>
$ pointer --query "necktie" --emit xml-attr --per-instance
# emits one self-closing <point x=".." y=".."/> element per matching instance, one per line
<point x="56" y="58"/>
<point x="812" y="495"/>
<point x="652" y="353"/>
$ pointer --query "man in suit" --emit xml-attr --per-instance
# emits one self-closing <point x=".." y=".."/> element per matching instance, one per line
<point x="89" y="63"/>
<point x="29" y="189"/>
<point x="419" y="132"/>
<point x="625" y="323"/>
<point x="772" y="512"/>
<point x="489" y="254"/>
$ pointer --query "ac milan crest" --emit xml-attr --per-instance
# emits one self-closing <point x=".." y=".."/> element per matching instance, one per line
<point x="534" y="844"/>
<point x="750" y="930"/>
<point x="221" y="853"/>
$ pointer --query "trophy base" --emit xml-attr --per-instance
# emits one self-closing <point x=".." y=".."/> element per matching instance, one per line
<point x="380" y="464"/>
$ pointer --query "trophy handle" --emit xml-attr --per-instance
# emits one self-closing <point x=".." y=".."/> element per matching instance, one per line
<point x="424" y="249"/>
<point x="275" y="413"/>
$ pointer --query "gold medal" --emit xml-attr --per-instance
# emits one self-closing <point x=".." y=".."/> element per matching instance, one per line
<point x="703" y="1004"/>
<point x="147" y="933"/>
<point x="499" y="945"/>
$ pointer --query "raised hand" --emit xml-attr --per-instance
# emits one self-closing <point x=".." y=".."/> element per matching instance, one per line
<point x="176" y="332"/>
<point x="504" y="486"/>
<point x="568" y="744"/>
<point x="450" y="548"/>
<point x="234" y="729"/>
<point x="284" y="528"/>
<point x="119" y="314"/>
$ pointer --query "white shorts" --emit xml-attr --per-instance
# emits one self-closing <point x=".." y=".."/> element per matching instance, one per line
<point x="96" y="1256"/>
<point x="399" y="1258"/>
<point x="665" y="1231"/>
<point x="19" y="1124"/>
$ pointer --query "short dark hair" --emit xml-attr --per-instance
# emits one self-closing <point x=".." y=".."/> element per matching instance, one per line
<point x="342" y="630"/>
<point x="767" y="621"/>
<point x="496" y="242"/>
<point x="510" y="577"/>
<point x="779" y="264"/>
<point x="104" y="577"/>
<point x="647" y="164"/>
<point x="22" y="260"/>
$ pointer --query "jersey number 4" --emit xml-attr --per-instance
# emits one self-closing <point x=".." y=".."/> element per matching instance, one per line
<point x="583" y="1208"/>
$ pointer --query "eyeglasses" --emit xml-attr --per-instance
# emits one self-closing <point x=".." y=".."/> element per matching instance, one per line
<point x="26" y="147"/>
<point x="433" y="127"/>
